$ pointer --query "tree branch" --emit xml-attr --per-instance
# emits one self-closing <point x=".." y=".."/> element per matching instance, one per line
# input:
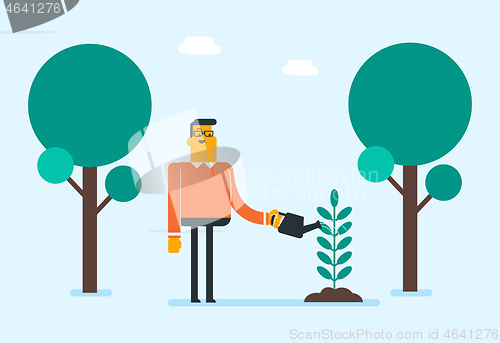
<point x="424" y="202"/>
<point x="396" y="185"/>
<point x="75" y="186"/>
<point x="103" y="204"/>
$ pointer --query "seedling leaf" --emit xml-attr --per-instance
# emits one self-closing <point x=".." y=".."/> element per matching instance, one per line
<point x="334" y="198"/>
<point x="344" y="258"/>
<point x="344" y="228"/>
<point x="324" y="213"/>
<point x="324" y="258"/>
<point x="344" y="213"/>
<point x="325" y="229"/>
<point x="324" y="243"/>
<point x="343" y="243"/>
<point x="343" y="273"/>
<point x="324" y="273"/>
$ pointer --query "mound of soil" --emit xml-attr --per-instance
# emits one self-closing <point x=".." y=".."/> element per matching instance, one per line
<point x="329" y="294"/>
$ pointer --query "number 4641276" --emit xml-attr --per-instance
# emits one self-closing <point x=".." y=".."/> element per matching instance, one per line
<point x="47" y="7"/>
<point x="472" y="334"/>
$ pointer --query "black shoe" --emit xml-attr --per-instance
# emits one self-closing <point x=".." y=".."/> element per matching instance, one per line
<point x="211" y="301"/>
<point x="195" y="301"/>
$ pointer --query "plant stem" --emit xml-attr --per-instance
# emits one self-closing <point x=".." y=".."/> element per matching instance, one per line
<point x="334" y="247"/>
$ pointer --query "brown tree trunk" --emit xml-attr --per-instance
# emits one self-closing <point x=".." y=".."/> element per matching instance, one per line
<point x="89" y="230"/>
<point x="410" y="228"/>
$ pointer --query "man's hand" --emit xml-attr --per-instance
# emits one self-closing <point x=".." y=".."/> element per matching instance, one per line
<point x="174" y="245"/>
<point x="275" y="218"/>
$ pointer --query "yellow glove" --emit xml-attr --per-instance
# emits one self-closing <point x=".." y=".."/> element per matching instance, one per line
<point x="174" y="245"/>
<point x="277" y="218"/>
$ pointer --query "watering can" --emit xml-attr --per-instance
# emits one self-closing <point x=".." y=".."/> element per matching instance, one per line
<point x="293" y="225"/>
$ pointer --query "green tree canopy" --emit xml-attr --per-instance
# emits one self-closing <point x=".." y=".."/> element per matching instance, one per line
<point x="55" y="165"/>
<point x="443" y="182"/>
<point x="411" y="99"/>
<point x="89" y="100"/>
<point x="123" y="183"/>
<point x="375" y="164"/>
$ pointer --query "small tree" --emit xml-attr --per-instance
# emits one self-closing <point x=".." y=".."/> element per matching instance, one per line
<point x="85" y="105"/>
<point x="410" y="104"/>
<point x="334" y="247"/>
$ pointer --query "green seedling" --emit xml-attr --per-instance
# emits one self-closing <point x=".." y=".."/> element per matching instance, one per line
<point x="332" y="246"/>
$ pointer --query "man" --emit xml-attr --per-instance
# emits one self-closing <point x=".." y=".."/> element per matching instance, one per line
<point x="201" y="193"/>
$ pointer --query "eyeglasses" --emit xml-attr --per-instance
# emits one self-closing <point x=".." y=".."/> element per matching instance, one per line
<point x="199" y="133"/>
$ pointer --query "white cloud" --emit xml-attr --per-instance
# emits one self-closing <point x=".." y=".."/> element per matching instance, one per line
<point x="199" y="46"/>
<point x="300" y="67"/>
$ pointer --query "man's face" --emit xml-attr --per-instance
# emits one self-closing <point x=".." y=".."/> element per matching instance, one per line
<point x="202" y="141"/>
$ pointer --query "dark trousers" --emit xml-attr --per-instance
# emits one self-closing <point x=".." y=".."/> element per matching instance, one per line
<point x="209" y="223"/>
<point x="210" y="263"/>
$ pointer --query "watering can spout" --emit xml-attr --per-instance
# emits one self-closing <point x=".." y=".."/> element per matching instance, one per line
<point x="312" y="226"/>
<point x="293" y="225"/>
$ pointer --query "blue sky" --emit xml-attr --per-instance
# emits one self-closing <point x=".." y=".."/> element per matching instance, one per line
<point x="280" y="123"/>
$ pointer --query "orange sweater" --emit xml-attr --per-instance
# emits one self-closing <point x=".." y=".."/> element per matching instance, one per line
<point x="205" y="192"/>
